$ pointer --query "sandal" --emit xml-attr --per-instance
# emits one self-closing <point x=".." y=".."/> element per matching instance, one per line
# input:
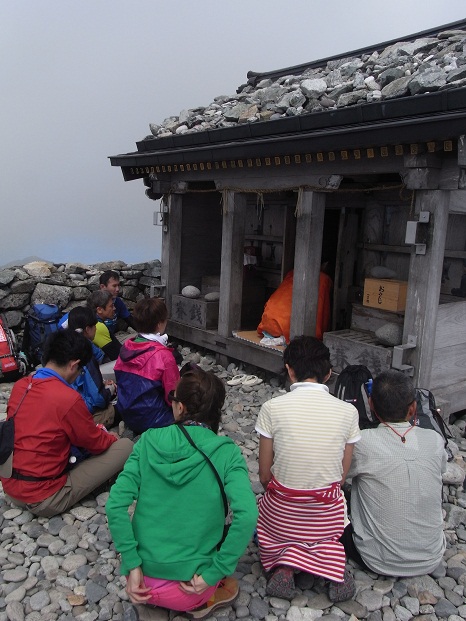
<point x="251" y="380"/>
<point x="341" y="591"/>
<point x="281" y="584"/>
<point x="237" y="379"/>
<point x="225" y="594"/>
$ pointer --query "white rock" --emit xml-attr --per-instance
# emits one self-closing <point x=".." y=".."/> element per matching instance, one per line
<point x="213" y="296"/>
<point x="190" y="292"/>
<point x="454" y="474"/>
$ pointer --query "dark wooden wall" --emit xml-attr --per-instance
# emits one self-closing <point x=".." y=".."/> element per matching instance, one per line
<point x="201" y="237"/>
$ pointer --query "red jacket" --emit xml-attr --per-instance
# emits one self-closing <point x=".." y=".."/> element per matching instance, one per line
<point x="51" y="418"/>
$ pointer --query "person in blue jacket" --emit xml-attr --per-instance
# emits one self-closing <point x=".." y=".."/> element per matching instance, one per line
<point x="96" y="392"/>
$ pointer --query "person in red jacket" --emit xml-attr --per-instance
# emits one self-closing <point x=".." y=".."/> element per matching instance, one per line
<point x="49" y="418"/>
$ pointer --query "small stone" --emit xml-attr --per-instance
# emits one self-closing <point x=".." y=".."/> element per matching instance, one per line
<point x="16" y="596"/>
<point x="95" y="592"/>
<point x="83" y="513"/>
<point x="11" y="514"/>
<point x="372" y="600"/>
<point x="303" y="614"/>
<point x="258" y="608"/>
<point x="402" y="613"/>
<point x="39" y="600"/>
<point x="15" y="611"/>
<point x="76" y="600"/>
<point x="15" y="575"/>
<point x="73" y="562"/>
<point x="411" y="603"/>
<point x="444" y="608"/>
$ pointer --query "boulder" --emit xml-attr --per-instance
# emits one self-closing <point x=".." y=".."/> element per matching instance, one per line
<point x="38" y="269"/>
<point x="51" y="294"/>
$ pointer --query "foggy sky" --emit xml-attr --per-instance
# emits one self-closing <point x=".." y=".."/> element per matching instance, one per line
<point x="82" y="80"/>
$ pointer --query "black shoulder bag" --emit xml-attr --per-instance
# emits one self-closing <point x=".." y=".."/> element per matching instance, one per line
<point x="219" y="481"/>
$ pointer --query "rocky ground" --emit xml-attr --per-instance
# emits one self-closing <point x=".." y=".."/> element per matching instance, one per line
<point x="66" y="567"/>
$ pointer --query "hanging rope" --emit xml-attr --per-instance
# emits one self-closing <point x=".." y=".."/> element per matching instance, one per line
<point x="259" y="207"/>
<point x="313" y="188"/>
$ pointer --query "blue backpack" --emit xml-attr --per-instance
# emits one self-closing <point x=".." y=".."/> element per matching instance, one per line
<point x="41" y="320"/>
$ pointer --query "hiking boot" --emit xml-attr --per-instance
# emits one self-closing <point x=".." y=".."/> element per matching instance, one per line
<point x="341" y="591"/>
<point x="225" y="594"/>
<point x="281" y="584"/>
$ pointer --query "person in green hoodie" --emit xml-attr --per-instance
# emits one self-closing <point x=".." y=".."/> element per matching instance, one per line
<point x="173" y="551"/>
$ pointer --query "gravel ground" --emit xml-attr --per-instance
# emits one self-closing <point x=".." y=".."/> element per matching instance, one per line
<point x="66" y="567"/>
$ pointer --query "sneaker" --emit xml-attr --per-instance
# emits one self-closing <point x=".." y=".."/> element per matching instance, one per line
<point x="341" y="591"/>
<point x="225" y="594"/>
<point x="281" y="584"/>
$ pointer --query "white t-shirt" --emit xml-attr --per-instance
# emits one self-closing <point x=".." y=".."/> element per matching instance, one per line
<point x="310" y="429"/>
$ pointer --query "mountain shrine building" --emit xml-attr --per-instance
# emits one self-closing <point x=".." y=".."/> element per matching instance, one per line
<point x="358" y="160"/>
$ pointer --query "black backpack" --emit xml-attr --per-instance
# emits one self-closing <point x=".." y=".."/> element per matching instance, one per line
<point x="428" y="416"/>
<point x="352" y="386"/>
<point x="41" y="320"/>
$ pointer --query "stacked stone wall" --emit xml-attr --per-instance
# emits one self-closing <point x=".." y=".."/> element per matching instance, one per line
<point x="69" y="285"/>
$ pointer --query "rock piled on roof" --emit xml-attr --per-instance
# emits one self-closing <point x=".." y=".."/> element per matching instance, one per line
<point x="416" y="67"/>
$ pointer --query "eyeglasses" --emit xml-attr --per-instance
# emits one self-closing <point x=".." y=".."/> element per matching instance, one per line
<point x="171" y="397"/>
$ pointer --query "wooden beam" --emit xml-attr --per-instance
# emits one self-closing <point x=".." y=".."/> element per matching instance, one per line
<point x="171" y="255"/>
<point x="425" y="274"/>
<point x="231" y="272"/>
<point x="308" y="250"/>
<point x="281" y="182"/>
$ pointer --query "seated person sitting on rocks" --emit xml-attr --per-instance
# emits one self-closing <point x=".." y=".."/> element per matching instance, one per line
<point x="276" y="317"/>
<point x="96" y="392"/>
<point x="49" y="418"/>
<point x="146" y="370"/>
<point x="305" y="446"/>
<point x="396" y="496"/>
<point x="174" y="551"/>
<point x="110" y="281"/>
<point x="101" y="304"/>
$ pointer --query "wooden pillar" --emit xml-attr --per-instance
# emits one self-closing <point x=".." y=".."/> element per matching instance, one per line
<point x="231" y="271"/>
<point x="308" y="250"/>
<point x="171" y="245"/>
<point x="425" y="273"/>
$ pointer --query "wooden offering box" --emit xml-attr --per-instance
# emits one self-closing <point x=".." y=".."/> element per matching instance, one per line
<point x="195" y="312"/>
<point x="385" y="293"/>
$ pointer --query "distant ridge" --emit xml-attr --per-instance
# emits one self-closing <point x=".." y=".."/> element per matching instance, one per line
<point x="21" y="262"/>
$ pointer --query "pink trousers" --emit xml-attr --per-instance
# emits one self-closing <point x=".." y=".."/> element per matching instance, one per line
<point x="167" y="594"/>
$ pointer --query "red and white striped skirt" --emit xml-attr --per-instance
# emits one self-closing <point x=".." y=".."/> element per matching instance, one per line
<point x="302" y="528"/>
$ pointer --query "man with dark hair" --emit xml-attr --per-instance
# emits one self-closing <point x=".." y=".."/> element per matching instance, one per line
<point x="49" y="418"/>
<point x="305" y="447"/>
<point x="102" y="305"/>
<point x="110" y="281"/>
<point x="396" y="498"/>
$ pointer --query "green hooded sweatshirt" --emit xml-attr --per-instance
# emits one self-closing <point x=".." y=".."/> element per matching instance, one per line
<point x="179" y="516"/>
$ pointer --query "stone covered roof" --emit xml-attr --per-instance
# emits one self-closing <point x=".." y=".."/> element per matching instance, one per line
<point x="425" y="63"/>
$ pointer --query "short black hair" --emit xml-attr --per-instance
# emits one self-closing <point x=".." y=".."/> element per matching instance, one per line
<point x="107" y="275"/>
<point x="392" y="394"/>
<point x="65" y="345"/>
<point x="81" y="317"/>
<point x="308" y="357"/>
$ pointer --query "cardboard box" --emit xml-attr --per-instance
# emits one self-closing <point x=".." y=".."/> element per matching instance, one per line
<point x="385" y="293"/>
